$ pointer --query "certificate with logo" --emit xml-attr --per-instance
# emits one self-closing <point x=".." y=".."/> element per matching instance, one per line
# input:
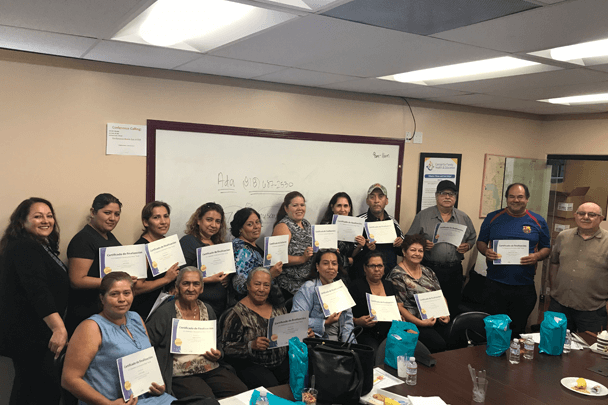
<point x="510" y="251"/>
<point x="383" y="309"/>
<point x="348" y="227"/>
<point x="283" y="327"/>
<point x="324" y="237"/>
<point x="334" y="297"/>
<point x="130" y="259"/>
<point x="446" y="232"/>
<point x="215" y="259"/>
<point x="431" y="304"/>
<point x="164" y="253"/>
<point x="193" y="337"/>
<point x="137" y="372"/>
<point x="275" y="249"/>
<point x="381" y="231"/>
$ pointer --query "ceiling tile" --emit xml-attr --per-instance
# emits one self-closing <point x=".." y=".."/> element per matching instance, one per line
<point x="386" y="87"/>
<point x="88" y="18"/>
<point x="228" y="67"/>
<point x="303" y="77"/>
<point x="554" y="91"/>
<point x="139" y="55"/>
<point x="44" y="42"/>
<point x="542" y="28"/>
<point x="426" y="17"/>
<point x="534" y="80"/>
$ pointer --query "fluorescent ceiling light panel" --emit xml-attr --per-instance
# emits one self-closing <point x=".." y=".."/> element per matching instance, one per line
<point x="577" y="100"/>
<point x="585" y="54"/>
<point x="468" y="71"/>
<point x="309" y="5"/>
<point x="198" y="25"/>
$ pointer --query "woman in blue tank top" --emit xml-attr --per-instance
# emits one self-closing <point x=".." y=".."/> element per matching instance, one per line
<point x="90" y="371"/>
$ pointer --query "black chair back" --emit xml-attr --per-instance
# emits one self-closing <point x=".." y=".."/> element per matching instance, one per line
<point x="467" y="329"/>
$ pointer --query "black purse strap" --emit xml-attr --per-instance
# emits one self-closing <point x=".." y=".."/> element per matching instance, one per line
<point x="357" y="330"/>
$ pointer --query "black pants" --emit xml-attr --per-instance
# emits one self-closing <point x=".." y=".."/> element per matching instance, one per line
<point x="516" y="301"/>
<point x="36" y="378"/>
<point x="581" y="321"/>
<point x="255" y="375"/>
<point x="451" y="281"/>
<point x="435" y="337"/>
<point x="217" y="383"/>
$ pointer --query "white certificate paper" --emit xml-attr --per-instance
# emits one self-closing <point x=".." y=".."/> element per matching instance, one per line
<point x="275" y="249"/>
<point x="164" y="253"/>
<point x="451" y="233"/>
<point x="324" y="237"/>
<point x="348" y="227"/>
<point x="511" y="251"/>
<point x="216" y="258"/>
<point x="431" y="304"/>
<point x="130" y="259"/>
<point x="193" y="337"/>
<point x="137" y="372"/>
<point x="381" y="231"/>
<point x="334" y="298"/>
<point x="383" y="309"/>
<point x="283" y="327"/>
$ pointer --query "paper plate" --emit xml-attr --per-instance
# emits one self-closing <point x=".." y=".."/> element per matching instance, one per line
<point x="570" y="383"/>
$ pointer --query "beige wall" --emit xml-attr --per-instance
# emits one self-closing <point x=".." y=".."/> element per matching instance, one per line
<point x="55" y="111"/>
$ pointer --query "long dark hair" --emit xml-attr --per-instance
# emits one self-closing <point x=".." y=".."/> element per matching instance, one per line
<point x="193" y="229"/>
<point x="329" y="212"/>
<point x="282" y="213"/>
<point x="16" y="226"/>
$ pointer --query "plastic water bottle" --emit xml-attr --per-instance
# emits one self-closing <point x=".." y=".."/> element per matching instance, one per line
<point x="529" y="349"/>
<point x="412" y="372"/>
<point x="262" y="400"/>
<point x="567" y="342"/>
<point x="514" y="352"/>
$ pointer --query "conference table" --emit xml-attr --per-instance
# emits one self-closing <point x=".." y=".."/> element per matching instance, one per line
<point x="530" y="382"/>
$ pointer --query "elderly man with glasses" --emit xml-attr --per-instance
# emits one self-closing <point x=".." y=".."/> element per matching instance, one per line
<point x="578" y="274"/>
<point x="445" y="259"/>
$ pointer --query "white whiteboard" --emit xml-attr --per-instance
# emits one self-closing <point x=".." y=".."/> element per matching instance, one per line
<point x="190" y="168"/>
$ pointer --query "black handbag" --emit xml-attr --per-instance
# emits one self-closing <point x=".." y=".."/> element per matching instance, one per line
<point x="343" y="371"/>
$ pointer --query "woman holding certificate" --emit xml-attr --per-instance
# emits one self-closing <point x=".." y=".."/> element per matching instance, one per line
<point x="189" y="374"/>
<point x="244" y="335"/>
<point x="155" y="217"/>
<point x="90" y="371"/>
<point x="83" y="258"/>
<point x="246" y="227"/>
<point x="341" y="204"/>
<point x="290" y="221"/>
<point x="33" y="298"/>
<point x="411" y="278"/>
<point x="337" y="326"/>
<point x="374" y="332"/>
<point x="207" y="226"/>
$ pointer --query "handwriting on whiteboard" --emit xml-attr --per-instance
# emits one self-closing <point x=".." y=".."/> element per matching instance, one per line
<point x="381" y="155"/>
<point x="253" y="185"/>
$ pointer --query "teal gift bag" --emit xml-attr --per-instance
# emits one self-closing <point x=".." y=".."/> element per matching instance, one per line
<point x="552" y="333"/>
<point x="298" y="366"/>
<point x="400" y="342"/>
<point x="498" y="334"/>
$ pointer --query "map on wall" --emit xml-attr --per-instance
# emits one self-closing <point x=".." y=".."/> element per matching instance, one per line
<point x="500" y="171"/>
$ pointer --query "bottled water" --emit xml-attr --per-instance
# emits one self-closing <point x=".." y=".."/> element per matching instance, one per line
<point x="528" y="349"/>
<point x="412" y="372"/>
<point x="262" y="400"/>
<point x="567" y="342"/>
<point x="514" y="352"/>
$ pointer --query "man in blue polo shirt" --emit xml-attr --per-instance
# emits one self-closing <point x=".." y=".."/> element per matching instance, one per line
<point x="509" y="289"/>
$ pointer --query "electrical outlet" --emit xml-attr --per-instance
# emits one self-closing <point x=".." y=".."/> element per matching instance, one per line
<point x="418" y="137"/>
<point x="408" y="136"/>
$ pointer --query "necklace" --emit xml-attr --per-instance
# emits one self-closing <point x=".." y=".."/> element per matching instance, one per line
<point x="195" y="312"/>
<point x="411" y="272"/>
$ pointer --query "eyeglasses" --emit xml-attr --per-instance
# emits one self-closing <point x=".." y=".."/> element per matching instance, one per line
<point x="375" y="266"/>
<point x="591" y="215"/>
<point x="447" y="194"/>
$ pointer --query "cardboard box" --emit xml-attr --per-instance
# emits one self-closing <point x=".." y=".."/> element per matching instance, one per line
<point x="564" y="204"/>
<point x="557" y="225"/>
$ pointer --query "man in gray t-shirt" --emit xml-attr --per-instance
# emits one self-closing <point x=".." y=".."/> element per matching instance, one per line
<point x="443" y="258"/>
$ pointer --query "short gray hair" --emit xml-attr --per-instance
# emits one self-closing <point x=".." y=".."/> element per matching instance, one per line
<point x="185" y="270"/>
<point x="252" y="272"/>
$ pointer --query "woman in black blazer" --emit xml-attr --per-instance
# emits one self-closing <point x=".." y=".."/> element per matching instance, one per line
<point x="34" y="289"/>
